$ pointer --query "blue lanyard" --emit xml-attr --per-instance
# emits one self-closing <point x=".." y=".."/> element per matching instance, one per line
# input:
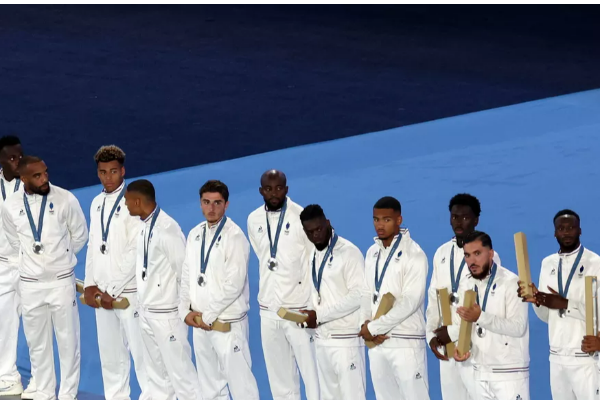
<point x="203" y="260"/>
<point x="379" y="279"/>
<point x="17" y="185"/>
<point x="37" y="233"/>
<point x="147" y="241"/>
<point x="273" y="245"/>
<point x="317" y="279"/>
<point x="105" y="231"/>
<point x="455" y="279"/>
<point x="564" y="291"/>
<point x="487" y="289"/>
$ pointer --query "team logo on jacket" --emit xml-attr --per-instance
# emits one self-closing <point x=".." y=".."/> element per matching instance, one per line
<point x="172" y="339"/>
<point x="21" y="213"/>
<point x="118" y="211"/>
<point x="99" y="208"/>
<point x="519" y="396"/>
<point x="376" y="254"/>
<point x="494" y="289"/>
<point x="312" y="339"/>
<point x="352" y="367"/>
<point x="197" y="238"/>
<point x="136" y="315"/>
<point x="260" y="229"/>
<point x="287" y="229"/>
<point x="443" y="260"/>
<point x="51" y="208"/>
<point x="74" y="303"/>
<point x="553" y="272"/>
<point x="581" y="271"/>
<point x="418" y="376"/>
<point x="218" y="241"/>
<point x="331" y="260"/>
<point x="236" y="349"/>
<point x="398" y="256"/>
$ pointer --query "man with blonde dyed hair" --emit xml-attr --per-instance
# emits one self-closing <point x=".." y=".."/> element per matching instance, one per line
<point x="110" y="273"/>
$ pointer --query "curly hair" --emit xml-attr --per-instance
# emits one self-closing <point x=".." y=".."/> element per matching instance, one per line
<point x="110" y="153"/>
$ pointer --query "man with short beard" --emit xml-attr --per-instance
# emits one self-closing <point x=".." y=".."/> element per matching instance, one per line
<point x="500" y="336"/>
<point x="47" y="225"/>
<point x="573" y="373"/>
<point x="279" y="242"/>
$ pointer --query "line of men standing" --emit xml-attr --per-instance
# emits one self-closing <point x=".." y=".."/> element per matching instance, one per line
<point x="136" y="251"/>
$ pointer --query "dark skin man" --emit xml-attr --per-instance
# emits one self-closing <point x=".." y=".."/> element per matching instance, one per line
<point x="9" y="161"/>
<point x="273" y="189"/>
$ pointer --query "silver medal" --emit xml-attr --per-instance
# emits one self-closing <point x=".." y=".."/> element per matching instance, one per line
<point x="562" y="313"/>
<point x="272" y="264"/>
<point x="319" y="299"/>
<point x="375" y="297"/>
<point x="104" y="248"/>
<point x="480" y="332"/>
<point x="202" y="280"/>
<point x="454" y="298"/>
<point x="144" y="275"/>
<point x="38" y="248"/>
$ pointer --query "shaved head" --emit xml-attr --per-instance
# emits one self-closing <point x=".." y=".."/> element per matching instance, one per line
<point x="273" y="188"/>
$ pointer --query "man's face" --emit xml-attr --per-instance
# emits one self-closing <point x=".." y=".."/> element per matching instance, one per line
<point x="317" y="231"/>
<point x="133" y="202"/>
<point x="463" y="220"/>
<point x="35" y="178"/>
<point x="273" y="191"/>
<point x="478" y="258"/>
<point x="111" y="174"/>
<point x="213" y="206"/>
<point x="9" y="158"/>
<point x="567" y="230"/>
<point x="386" y="222"/>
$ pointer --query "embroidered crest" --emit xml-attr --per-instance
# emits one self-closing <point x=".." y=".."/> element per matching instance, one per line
<point x="352" y="367"/>
<point x="443" y="260"/>
<point x="236" y="349"/>
<point x="51" y="208"/>
<point x="398" y="256"/>
<point x="172" y="339"/>
<point x="260" y="229"/>
<point x="287" y="229"/>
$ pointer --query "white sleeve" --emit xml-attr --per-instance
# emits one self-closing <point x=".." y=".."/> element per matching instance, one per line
<point x="516" y="321"/>
<point x="184" y="290"/>
<point x="365" y="306"/>
<point x="432" y="315"/>
<point x="173" y="243"/>
<point x="126" y="264"/>
<point x="10" y="229"/>
<point x="236" y="273"/>
<point x="89" y="265"/>
<point x="413" y="296"/>
<point x="542" y="312"/>
<point x="354" y="275"/>
<point x="253" y="241"/>
<point x="76" y="224"/>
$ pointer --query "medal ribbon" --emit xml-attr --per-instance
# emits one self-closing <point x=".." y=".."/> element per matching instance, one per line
<point x="564" y="291"/>
<point x="317" y="279"/>
<point x="273" y="245"/>
<point x="105" y="231"/>
<point x="203" y="260"/>
<point x="379" y="279"/>
<point x="147" y="241"/>
<point x="37" y="233"/>
<point x="487" y="289"/>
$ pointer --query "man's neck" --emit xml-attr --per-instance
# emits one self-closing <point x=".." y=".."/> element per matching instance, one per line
<point x="9" y="176"/>
<point x="147" y="211"/>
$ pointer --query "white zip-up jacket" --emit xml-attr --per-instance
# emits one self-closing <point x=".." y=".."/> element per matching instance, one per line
<point x="9" y="256"/>
<point x="406" y="280"/>
<point x="64" y="234"/>
<point x="342" y="290"/>
<point x="113" y="272"/>
<point x="503" y="352"/>
<point x="288" y="286"/>
<point x="159" y="294"/>
<point x="566" y="334"/>
<point x="226" y="294"/>
<point x="440" y="278"/>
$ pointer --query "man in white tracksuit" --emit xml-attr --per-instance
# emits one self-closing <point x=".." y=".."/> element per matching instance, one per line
<point x="560" y="302"/>
<point x="110" y="273"/>
<point x="160" y="255"/>
<point x="337" y="268"/>
<point x="448" y="272"/>
<point x="10" y="379"/>
<point x="500" y="336"/>
<point x="46" y="224"/>
<point x="279" y="242"/>
<point x="214" y="288"/>
<point x="396" y="264"/>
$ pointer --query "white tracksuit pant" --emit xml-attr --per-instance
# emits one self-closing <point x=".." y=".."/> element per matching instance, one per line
<point x="223" y="358"/>
<point x="457" y="380"/>
<point x="10" y="309"/>
<point x="341" y="370"/>
<point x="288" y="348"/>
<point x="503" y="390"/>
<point x="45" y="308"/>
<point x="119" y="334"/>
<point x="573" y="382"/>
<point x="399" y="373"/>
<point x="168" y="358"/>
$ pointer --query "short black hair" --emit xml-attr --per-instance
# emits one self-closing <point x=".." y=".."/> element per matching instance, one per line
<point x="311" y="212"/>
<point x="144" y="187"/>
<point x="485" y="239"/>
<point x="465" y="199"/>
<point x="388" y="202"/>
<point x="215" y="186"/>
<point x="26" y="160"/>
<point x="110" y="153"/>
<point x="6" y="141"/>
<point x="564" y="212"/>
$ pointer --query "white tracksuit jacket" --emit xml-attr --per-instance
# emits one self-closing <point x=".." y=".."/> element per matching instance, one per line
<point x="9" y="256"/>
